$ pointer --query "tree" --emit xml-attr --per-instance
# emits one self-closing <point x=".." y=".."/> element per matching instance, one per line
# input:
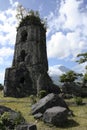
<point x="85" y="78"/>
<point x="21" y="12"/>
<point x="83" y="58"/>
<point x="70" y="76"/>
<point x="1" y="86"/>
<point x="63" y="78"/>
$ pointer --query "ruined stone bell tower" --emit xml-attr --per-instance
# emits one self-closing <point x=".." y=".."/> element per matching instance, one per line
<point x="28" y="74"/>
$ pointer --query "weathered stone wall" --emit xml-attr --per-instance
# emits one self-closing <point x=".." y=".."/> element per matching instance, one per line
<point x="31" y="48"/>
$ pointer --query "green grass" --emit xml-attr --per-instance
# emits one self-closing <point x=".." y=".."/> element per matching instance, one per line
<point x="78" y="122"/>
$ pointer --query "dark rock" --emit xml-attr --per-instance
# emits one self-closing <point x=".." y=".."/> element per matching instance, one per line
<point x="55" y="115"/>
<point x="5" y="109"/>
<point x="47" y="102"/>
<point x="26" y="127"/>
<point x="10" y="117"/>
<point x="38" y="115"/>
<point x="28" y="74"/>
<point x="54" y="89"/>
<point x="84" y="92"/>
<point x="71" y="88"/>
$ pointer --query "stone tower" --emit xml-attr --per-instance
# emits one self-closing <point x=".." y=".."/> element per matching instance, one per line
<point x="28" y="74"/>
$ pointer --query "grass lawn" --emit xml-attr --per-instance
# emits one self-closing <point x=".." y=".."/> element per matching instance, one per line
<point x="78" y="122"/>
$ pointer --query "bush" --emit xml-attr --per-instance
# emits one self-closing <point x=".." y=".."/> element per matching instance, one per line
<point x="78" y="100"/>
<point x="1" y="87"/>
<point x="19" y="119"/>
<point x="9" y="120"/>
<point x="32" y="99"/>
<point x="4" y="120"/>
<point x="5" y="117"/>
<point x="42" y="94"/>
<point x="2" y="127"/>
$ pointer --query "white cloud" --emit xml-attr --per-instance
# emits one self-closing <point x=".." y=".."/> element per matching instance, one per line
<point x="56" y="70"/>
<point x="69" y="20"/>
<point x="58" y="46"/>
<point x="5" y="61"/>
<point x="8" y="25"/>
<point x="7" y="37"/>
<point x="70" y="9"/>
<point x="6" y="52"/>
<point x="80" y="68"/>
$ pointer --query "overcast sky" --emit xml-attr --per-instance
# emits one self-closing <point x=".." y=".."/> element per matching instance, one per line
<point x="66" y="33"/>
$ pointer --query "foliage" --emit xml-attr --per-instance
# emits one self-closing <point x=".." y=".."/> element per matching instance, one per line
<point x="42" y="94"/>
<point x="5" y="116"/>
<point x="21" y="12"/>
<point x="1" y="87"/>
<point x="4" y="119"/>
<point x="19" y="119"/>
<point x="7" y="121"/>
<point x="24" y="15"/>
<point x="85" y="79"/>
<point x="83" y="58"/>
<point x="2" y="127"/>
<point x="70" y="76"/>
<point x="78" y="100"/>
<point x="32" y="99"/>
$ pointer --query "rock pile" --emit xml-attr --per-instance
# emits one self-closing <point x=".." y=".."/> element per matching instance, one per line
<point x="51" y="109"/>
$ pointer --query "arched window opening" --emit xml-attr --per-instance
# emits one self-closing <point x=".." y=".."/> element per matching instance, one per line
<point x="22" y="80"/>
<point x="24" y="36"/>
<point x="23" y="55"/>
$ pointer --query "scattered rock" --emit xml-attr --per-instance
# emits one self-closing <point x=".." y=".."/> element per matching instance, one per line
<point x="38" y="115"/>
<point x="48" y="101"/>
<point x="26" y="127"/>
<point x="55" y="115"/>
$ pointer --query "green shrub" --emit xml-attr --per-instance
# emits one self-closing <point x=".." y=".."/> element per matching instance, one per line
<point x="32" y="99"/>
<point x="4" y="120"/>
<point x="2" y="127"/>
<point x="1" y="87"/>
<point x="42" y="94"/>
<point x="78" y="100"/>
<point x="19" y="119"/>
<point x="9" y="120"/>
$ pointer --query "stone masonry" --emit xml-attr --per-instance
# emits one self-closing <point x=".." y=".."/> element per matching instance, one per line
<point x="28" y="73"/>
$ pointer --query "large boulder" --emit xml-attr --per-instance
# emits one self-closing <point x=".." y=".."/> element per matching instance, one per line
<point x="72" y="88"/>
<point x="48" y="101"/>
<point x="13" y="120"/>
<point x="56" y="115"/>
<point x="10" y="118"/>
